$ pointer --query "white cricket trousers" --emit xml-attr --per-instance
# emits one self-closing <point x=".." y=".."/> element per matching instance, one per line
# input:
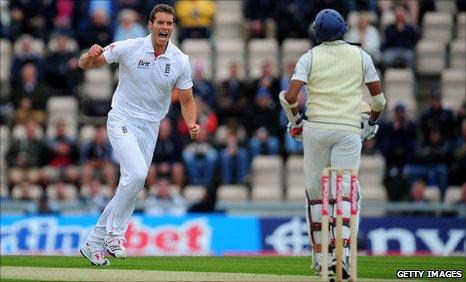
<point x="133" y="141"/>
<point x="328" y="148"/>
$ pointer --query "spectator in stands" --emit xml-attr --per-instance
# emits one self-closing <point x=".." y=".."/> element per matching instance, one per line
<point x="203" y="87"/>
<point x="167" y="157"/>
<point x="366" y="34"/>
<point x="27" y="54"/>
<point x="458" y="166"/>
<point x="436" y="116"/>
<point x="431" y="161"/>
<point x="96" y="158"/>
<point x="259" y="18"/>
<point x="196" y="18"/>
<point x="29" y="16"/>
<point x="25" y="190"/>
<point x="31" y="88"/>
<point x="200" y="159"/>
<point x="234" y="157"/>
<point x="400" y="41"/>
<point x="232" y="98"/>
<point x="262" y="125"/>
<point x="363" y="5"/>
<point x="62" y="157"/>
<point x="26" y="156"/>
<point x="418" y="190"/>
<point x="267" y="80"/>
<point x="128" y="26"/>
<point x="96" y="199"/>
<point x="164" y="200"/>
<point x="98" y="31"/>
<point x="62" y="72"/>
<point x="25" y="112"/>
<point x="292" y="19"/>
<point x="396" y="141"/>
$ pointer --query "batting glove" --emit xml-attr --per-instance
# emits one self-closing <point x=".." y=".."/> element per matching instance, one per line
<point x="296" y="131"/>
<point x="369" y="128"/>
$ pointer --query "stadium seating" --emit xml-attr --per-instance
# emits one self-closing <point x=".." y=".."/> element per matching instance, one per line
<point x="453" y="82"/>
<point x="200" y="53"/>
<point x="266" y="177"/>
<point x="63" y="108"/>
<point x="452" y="195"/>
<point x="232" y="193"/>
<point x="229" y="51"/>
<point x="461" y="26"/>
<point x="399" y="87"/>
<point x="458" y="54"/>
<point x="105" y="191"/>
<point x="86" y="133"/>
<point x="294" y="174"/>
<point x="437" y="26"/>
<point x="292" y="50"/>
<point x="259" y="52"/>
<point x="98" y="84"/>
<point x="5" y="61"/>
<point x="35" y="192"/>
<point x="228" y="20"/>
<point x="4" y="145"/>
<point x="445" y="6"/>
<point x="193" y="193"/>
<point x="70" y="191"/>
<point x="430" y="57"/>
<point x="432" y="194"/>
<point x="19" y="132"/>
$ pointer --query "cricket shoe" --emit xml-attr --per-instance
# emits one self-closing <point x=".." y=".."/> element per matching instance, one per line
<point x="345" y="264"/>
<point x="317" y="263"/>
<point x="96" y="257"/>
<point x="115" y="245"/>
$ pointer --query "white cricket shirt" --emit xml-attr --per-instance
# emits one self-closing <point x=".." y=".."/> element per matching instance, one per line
<point x="145" y="82"/>
<point x="335" y="73"/>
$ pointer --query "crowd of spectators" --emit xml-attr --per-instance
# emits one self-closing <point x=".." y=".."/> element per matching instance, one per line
<point x="240" y="118"/>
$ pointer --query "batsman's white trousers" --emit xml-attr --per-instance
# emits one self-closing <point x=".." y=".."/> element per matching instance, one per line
<point x="133" y="141"/>
<point x="329" y="148"/>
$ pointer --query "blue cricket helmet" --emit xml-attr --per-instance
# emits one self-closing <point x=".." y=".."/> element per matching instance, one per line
<point x="329" y="25"/>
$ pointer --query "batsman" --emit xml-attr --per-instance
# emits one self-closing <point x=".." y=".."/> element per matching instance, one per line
<point x="333" y="126"/>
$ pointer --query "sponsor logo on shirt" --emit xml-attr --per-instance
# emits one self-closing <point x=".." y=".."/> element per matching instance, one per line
<point x="143" y="64"/>
<point x="167" y="70"/>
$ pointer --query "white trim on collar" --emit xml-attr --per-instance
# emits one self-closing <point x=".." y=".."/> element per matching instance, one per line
<point x="149" y="48"/>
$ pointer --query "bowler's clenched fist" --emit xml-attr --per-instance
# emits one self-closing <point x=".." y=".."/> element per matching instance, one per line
<point x="95" y="51"/>
<point x="194" y="130"/>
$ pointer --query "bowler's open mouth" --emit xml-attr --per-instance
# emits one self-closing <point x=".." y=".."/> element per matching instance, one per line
<point x="163" y="35"/>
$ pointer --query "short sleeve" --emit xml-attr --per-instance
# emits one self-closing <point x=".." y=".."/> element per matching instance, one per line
<point x="115" y="51"/>
<point x="303" y="67"/>
<point x="370" y="73"/>
<point x="185" y="81"/>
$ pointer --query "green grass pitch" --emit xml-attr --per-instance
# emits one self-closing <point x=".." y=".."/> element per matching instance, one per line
<point x="368" y="266"/>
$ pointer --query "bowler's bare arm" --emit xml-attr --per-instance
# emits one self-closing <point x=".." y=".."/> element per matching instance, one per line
<point x="188" y="110"/>
<point x="94" y="58"/>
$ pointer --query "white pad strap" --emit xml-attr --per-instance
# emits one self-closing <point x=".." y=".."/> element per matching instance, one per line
<point x="288" y="108"/>
<point x="378" y="102"/>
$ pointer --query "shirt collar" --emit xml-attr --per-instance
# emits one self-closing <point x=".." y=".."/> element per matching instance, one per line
<point x="149" y="48"/>
<point x="334" y="42"/>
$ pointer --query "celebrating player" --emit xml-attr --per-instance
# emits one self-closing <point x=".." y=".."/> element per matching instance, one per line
<point x="332" y="127"/>
<point x="149" y="68"/>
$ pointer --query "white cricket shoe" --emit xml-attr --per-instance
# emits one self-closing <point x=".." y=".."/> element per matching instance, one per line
<point x="115" y="245"/>
<point x="95" y="256"/>
<point x="317" y="263"/>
